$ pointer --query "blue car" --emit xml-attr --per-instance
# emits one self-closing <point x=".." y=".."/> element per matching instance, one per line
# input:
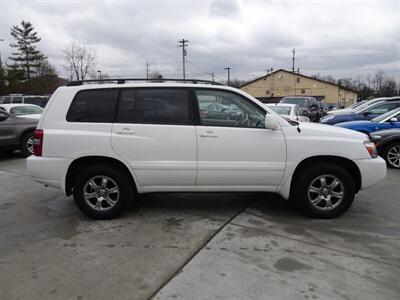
<point x="363" y="113"/>
<point x="389" y="120"/>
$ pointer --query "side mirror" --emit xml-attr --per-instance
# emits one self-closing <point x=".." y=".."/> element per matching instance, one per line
<point x="271" y="122"/>
<point x="3" y="117"/>
<point x="392" y="120"/>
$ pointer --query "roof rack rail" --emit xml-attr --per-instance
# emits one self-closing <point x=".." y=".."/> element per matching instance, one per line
<point x="124" y="80"/>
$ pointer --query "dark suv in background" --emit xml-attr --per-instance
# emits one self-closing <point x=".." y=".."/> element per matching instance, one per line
<point x="309" y="106"/>
<point x="30" y="99"/>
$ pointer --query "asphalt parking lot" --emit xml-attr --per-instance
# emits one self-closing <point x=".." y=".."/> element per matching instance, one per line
<point x="195" y="246"/>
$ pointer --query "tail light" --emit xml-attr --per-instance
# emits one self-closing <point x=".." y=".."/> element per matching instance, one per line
<point x="38" y="142"/>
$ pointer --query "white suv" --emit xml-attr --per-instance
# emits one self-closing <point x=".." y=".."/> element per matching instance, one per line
<point x="104" y="143"/>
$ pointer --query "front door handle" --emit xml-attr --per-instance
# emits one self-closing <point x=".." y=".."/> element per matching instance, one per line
<point x="208" y="134"/>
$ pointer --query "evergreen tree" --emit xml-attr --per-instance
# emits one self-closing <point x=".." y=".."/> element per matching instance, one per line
<point x="28" y="56"/>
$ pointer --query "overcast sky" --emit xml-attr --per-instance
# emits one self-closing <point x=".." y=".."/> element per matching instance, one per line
<point x="340" y="38"/>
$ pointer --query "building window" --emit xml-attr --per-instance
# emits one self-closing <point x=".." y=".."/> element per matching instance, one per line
<point x="298" y="79"/>
<point x="267" y="92"/>
<point x="303" y="91"/>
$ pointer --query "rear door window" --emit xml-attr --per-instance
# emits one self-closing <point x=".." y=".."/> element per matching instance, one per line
<point x="154" y="106"/>
<point x="93" y="106"/>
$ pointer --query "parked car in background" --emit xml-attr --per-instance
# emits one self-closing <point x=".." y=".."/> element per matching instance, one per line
<point x="308" y="104"/>
<point x="29" y="99"/>
<point x="291" y="112"/>
<point x="29" y="111"/>
<point x="361" y="106"/>
<point x="363" y="112"/>
<point x="389" y="120"/>
<point x="388" y="144"/>
<point x="103" y="143"/>
<point x="16" y="133"/>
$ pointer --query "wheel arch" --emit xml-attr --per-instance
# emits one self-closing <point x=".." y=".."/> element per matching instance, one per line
<point x="345" y="163"/>
<point x="82" y="162"/>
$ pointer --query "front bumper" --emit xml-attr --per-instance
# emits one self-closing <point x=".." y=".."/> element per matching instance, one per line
<point x="373" y="170"/>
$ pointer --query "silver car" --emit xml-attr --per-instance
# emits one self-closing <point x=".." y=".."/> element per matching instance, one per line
<point x="291" y="112"/>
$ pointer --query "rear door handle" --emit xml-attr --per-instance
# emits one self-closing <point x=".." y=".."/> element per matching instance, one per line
<point x="125" y="131"/>
<point x="209" y="134"/>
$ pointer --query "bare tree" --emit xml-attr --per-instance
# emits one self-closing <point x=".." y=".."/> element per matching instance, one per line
<point x="80" y="61"/>
<point x="378" y="81"/>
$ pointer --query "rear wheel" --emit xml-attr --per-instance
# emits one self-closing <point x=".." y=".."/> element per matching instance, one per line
<point x="324" y="191"/>
<point x="392" y="155"/>
<point x="102" y="192"/>
<point x="26" y="145"/>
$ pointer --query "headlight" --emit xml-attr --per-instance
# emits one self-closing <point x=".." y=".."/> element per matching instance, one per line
<point x="371" y="148"/>
<point x="323" y="120"/>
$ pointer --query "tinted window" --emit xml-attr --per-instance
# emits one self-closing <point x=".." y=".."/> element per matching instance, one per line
<point x="154" y="106"/>
<point x="41" y="101"/>
<point x="96" y="106"/>
<point x="226" y="109"/>
<point x="17" y="100"/>
<point x="7" y="100"/>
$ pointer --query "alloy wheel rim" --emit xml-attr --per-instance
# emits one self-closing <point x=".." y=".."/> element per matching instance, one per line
<point x="326" y="192"/>
<point x="29" y="145"/>
<point x="101" y="193"/>
<point x="393" y="156"/>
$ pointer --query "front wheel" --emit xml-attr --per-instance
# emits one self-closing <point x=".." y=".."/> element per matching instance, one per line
<point x="102" y="192"/>
<point x="324" y="191"/>
<point x="392" y="155"/>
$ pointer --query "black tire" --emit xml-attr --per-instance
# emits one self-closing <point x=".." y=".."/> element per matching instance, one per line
<point x="309" y="176"/>
<point x="386" y="153"/>
<point x="121" y="180"/>
<point x="24" y="144"/>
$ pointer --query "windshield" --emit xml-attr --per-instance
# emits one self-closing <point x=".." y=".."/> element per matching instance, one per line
<point x="385" y="115"/>
<point x="280" y="110"/>
<point x="25" y="110"/>
<point x="303" y="102"/>
<point x="365" y="105"/>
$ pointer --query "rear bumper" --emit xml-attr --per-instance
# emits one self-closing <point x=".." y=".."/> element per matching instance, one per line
<point x="373" y="170"/>
<point x="48" y="170"/>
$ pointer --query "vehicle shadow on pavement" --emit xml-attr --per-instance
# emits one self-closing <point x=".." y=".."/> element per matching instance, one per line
<point x="13" y="155"/>
<point x="215" y="202"/>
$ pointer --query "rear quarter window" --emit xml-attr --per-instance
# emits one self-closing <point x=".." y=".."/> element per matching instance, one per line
<point x="93" y="106"/>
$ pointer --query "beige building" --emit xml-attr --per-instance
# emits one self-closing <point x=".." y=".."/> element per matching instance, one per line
<point x="272" y="87"/>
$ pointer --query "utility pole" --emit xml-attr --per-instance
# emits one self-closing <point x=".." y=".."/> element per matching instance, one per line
<point x="1" y="72"/>
<point x="147" y="70"/>
<point x="229" y="74"/>
<point x="183" y="44"/>
<point x="100" y="77"/>
<point x="294" y="57"/>
<point x="212" y="76"/>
